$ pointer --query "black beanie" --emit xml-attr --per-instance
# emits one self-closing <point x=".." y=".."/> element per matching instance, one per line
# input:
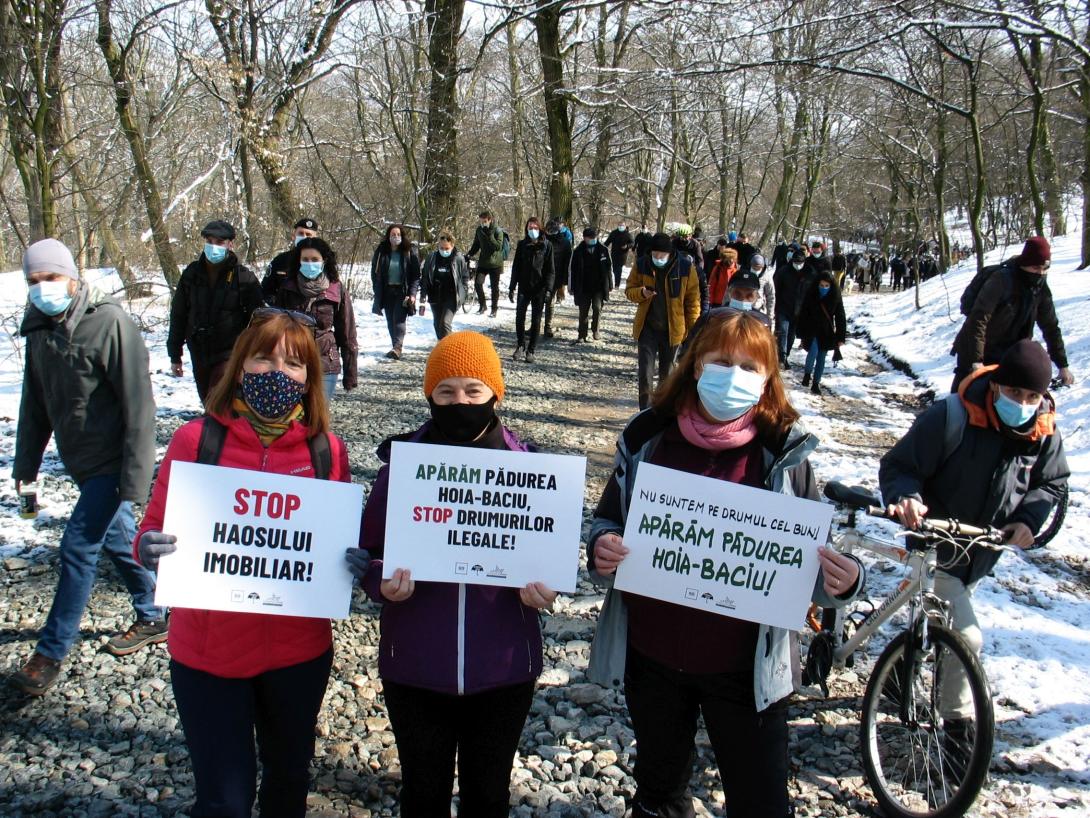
<point x="662" y="243"/>
<point x="1025" y="365"/>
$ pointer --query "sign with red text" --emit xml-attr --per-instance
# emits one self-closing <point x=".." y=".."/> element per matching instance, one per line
<point x="484" y="516"/>
<point x="722" y="547"/>
<point x="255" y="542"/>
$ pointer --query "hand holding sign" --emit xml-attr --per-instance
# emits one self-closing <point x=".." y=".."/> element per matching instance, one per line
<point x="609" y="551"/>
<point x="399" y="587"/>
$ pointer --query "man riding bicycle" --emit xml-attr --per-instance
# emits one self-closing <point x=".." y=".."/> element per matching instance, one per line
<point x="990" y="455"/>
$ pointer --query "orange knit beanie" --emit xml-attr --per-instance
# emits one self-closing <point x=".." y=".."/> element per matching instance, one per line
<point x="464" y="354"/>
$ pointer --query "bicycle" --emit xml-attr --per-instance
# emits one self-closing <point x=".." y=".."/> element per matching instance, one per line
<point x="921" y="758"/>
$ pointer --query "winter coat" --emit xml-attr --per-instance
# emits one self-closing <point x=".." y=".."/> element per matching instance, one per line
<point x="488" y="241"/>
<point x="562" y="255"/>
<point x="453" y="638"/>
<point x="822" y="318"/>
<point x="208" y="319"/>
<point x="642" y="244"/>
<point x="619" y="243"/>
<point x="766" y="296"/>
<point x="445" y="279"/>
<point x="682" y="295"/>
<point x="224" y="643"/>
<point x="591" y="273"/>
<point x="898" y="267"/>
<point x="719" y="281"/>
<point x="787" y="470"/>
<point x="1005" y="311"/>
<point x="275" y="275"/>
<point x="380" y="268"/>
<point x="86" y="381"/>
<point x="691" y="247"/>
<point x="533" y="272"/>
<point x="790" y="284"/>
<point x="993" y="477"/>
<point x="336" y="330"/>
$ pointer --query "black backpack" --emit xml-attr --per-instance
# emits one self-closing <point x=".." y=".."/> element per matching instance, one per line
<point x="968" y="298"/>
<point x="214" y="433"/>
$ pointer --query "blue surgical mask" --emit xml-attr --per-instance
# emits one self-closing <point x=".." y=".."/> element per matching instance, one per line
<point x="741" y="305"/>
<point x="311" y="269"/>
<point x="299" y="239"/>
<point x="591" y="242"/>
<point x="215" y="253"/>
<point x="51" y="297"/>
<point x="823" y="291"/>
<point x="659" y="262"/>
<point x="533" y="233"/>
<point x="1014" y="414"/>
<point x="815" y="253"/>
<point x="446" y="253"/>
<point x="728" y="392"/>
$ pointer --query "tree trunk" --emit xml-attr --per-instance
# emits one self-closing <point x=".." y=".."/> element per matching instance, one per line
<point x="441" y="154"/>
<point x="547" y="25"/>
<point x="782" y="203"/>
<point x="516" y="124"/>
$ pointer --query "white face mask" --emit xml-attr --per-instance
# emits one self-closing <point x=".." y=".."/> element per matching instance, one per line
<point x="395" y="241"/>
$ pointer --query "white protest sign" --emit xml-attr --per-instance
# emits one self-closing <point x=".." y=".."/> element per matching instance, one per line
<point x="255" y="542"/>
<point x="722" y="547"/>
<point x="484" y="516"/>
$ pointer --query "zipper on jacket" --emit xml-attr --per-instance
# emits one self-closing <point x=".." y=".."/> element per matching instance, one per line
<point x="461" y="638"/>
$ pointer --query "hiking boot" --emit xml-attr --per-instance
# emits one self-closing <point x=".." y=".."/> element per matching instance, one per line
<point x="483" y="309"/>
<point x="394" y="354"/>
<point x="815" y="389"/>
<point x="529" y="356"/>
<point x="518" y="353"/>
<point x="595" y="337"/>
<point x="37" y="675"/>
<point x="786" y="364"/>
<point x="547" y="332"/>
<point x="137" y="636"/>
<point x="805" y="380"/>
<point x="494" y="313"/>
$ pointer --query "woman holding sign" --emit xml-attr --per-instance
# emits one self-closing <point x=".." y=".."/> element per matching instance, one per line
<point x="723" y="414"/>
<point x="235" y="674"/>
<point x="458" y="662"/>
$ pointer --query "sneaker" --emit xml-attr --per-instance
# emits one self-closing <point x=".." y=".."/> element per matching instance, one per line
<point x="518" y="353"/>
<point x="37" y="675"/>
<point x="815" y="389"/>
<point x="137" y="636"/>
<point x="805" y="380"/>
<point x="530" y="356"/>
<point x="494" y="313"/>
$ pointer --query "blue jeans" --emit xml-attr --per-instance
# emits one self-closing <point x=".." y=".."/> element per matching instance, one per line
<point x="786" y="336"/>
<point x="99" y="521"/>
<point x="815" y="360"/>
<point x="329" y="381"/>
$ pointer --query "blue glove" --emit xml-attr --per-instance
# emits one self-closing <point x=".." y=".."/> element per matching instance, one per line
<point x="153" y="545"/>
<point x="358" y="559"/>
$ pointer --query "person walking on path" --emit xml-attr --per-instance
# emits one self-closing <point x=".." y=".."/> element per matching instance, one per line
<point x="395" y="282"/>
<point x="532" y="275"/>
<point x="86" y="383"/>
<point x="445" y="283"/>
<point x="212" y="304"/>
<point x="562" y="255"/>
<point x="591" y="281"/>
<point x="822" y="326"/>
<point x="488" y="242"/>
<point x="790" y="282"/>
<point x="720" y="275"/>
<point x="280" y="267"/>
<point x="619" y="241"/>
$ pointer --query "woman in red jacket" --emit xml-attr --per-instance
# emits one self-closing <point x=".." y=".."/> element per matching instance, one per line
<point x="237" y="673"/>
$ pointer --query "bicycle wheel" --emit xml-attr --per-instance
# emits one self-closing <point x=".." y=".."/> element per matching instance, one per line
<point x="917" y="762"/>
<point x="1054" y="522"/>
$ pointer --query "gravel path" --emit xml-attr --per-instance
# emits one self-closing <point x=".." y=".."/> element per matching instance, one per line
<point x="107" y="742"/>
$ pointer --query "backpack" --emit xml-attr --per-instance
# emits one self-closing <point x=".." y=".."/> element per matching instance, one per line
<point x="214" y="433"/>
<point x="506" y="244"/>
<point x="954" y="430"/>
<point x="968" y="298"/>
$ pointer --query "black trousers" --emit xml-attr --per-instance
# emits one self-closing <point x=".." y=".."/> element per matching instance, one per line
<point x="481" y="730"/>
<point x="493" y="276"/>
<point x="442" y="317"/>
<point x="593" y="305"/>
<point x="220" y="716"/>
<point x="206" y="375"/>
<point x="536" y="304"/>
<point x="653" y="345"/>
<point x="750" y="747"/>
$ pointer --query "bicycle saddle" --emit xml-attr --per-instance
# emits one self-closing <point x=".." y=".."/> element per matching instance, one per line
<point x="856" y="496"/>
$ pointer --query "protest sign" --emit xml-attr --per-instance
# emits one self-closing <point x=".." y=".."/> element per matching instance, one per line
<point x="482" y="516"/>
<point x="722" y="547"/>
<point x="256" y="542"/>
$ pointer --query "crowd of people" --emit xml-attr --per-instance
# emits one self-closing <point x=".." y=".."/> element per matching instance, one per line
<point x="459" y="662"/>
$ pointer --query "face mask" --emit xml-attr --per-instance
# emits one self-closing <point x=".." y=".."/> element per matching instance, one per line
<point x="823" y="291"/>
<point x="271" y="394"/>
<point x="299" y="239"/>
<point x="311" y="269"/>
<point x="815" y="253"/>
<point x="395" y="241"/>
<point x="486" y="225"/>
<point x="446" y="253"/>
<point x="215" y="253"/>
<point x="757" y="271"/>
<point x="741" y="305"/>
<point x="622" y="227"/>
<point x="462" y="422"/>
<point x="51" y="297"/>
<point x="659" y="262"/>
<point x="797" y="265"/>
<point x="728" y="392"/>
<point x="533" y="233"/>
<point x="591" y="242"/>
<point x="1012" y="413"/>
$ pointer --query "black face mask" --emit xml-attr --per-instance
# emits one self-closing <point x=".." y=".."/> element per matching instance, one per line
<point x="462" y="422"/>
<point x="1031" y="281"/>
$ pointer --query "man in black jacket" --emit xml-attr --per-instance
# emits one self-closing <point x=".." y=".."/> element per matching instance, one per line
<point x="990" y="455"/>
<point x="532" y="274"/>
<point x="86" y="383"/>
<point x="619" y="242"/>
<point x="277" y="271"/>
<point x="212" y="305"/>
<point x="562" y="254"/>
<point x="591" y="281"/>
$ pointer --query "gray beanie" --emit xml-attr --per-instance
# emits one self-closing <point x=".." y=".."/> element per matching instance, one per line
<point x="49" y="256"/>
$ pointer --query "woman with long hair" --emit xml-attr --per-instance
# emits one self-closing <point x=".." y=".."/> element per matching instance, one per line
<point x="723" y="413"/>
<point x="395" y="281"/>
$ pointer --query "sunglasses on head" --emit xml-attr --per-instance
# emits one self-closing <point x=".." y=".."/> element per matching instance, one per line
<point x="265" y="313"/>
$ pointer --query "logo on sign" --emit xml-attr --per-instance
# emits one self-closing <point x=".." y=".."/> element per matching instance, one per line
<point x="274" y="601"/>
<point x="726" y="602"/>
<point x="238" y="597"/>
<point x="497" y="573"/>
<point x="692" y="593"/>
<point x="461" y="567"/>
<point x="254" y="597"/>
<point x="707" y="597"/>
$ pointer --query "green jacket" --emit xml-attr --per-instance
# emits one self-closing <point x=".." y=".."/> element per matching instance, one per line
<point x="87" y="382"/>
<point x="489" y="243"/>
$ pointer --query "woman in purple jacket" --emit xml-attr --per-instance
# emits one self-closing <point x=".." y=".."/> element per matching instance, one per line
<point x="458" y="662"/>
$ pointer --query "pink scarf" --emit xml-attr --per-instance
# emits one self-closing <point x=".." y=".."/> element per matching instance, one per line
<point x="717" y="436"/>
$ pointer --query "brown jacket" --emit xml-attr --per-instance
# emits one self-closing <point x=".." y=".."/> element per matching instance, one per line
<point x="682" y="295"/>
